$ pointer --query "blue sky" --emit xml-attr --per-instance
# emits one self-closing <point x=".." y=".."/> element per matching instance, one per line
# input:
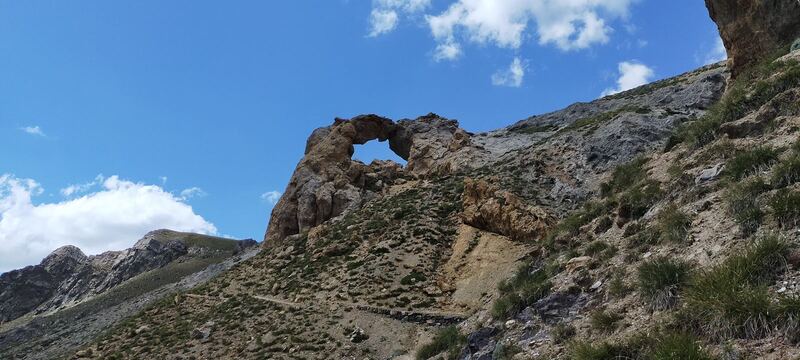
<point x="185" y="113"/>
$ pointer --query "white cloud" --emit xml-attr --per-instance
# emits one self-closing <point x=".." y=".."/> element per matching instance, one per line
<point x="271" y="197"/>
<point x="447" y="51"/>
<point x="631" y="75"/>
<point x="385" y="14"/>
<point x="192" y="192"/>
<point x="33" y="130"/>
<point x="567" y="24"/>
<point x="382" y="21"/>
<point x="82" y="188"/>
<point x="512" y="76"/>
<point x="113" y="217"/>
<point x="716" y="54"/>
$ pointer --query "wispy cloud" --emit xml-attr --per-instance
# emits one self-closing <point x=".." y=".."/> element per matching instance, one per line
<point x="271" y="197"/>
<point x="631" y="75"/>
<point x="512" y="76"/>
<point x="33" y="130"/>
<point x="385" y="14"/>
<point x="192" y="192"/>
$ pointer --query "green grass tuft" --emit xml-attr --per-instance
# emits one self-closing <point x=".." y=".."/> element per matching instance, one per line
<point x="787" y="172"/>
<point x="743" y="205"/>
<point x="525" y="288"/>
<point x="731" y="299"/>
<point x="673" y="224"/>
<point x="604" y="320"/>
<point x="750" y="162"/>
<point x="661" y="279"/>
<point x="448" y="341"/>
<point x="785" y="207"/>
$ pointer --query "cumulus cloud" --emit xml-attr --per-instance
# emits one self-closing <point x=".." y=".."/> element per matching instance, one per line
<point x="112" y="217"/>
<point x="33" y="130"/>
<point x="385" y="14"/>
<point x="271" y="197"/>
<point x="716" y="54"/>
<point x="631" y="75"/>
<point x="569" y="25"/>
<point x="512" y="76"/>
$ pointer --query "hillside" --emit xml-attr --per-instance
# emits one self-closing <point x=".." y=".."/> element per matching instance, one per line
<point x="657" y="223"/>
<point x="382" y="257"/>
<point x="82" y="295"/>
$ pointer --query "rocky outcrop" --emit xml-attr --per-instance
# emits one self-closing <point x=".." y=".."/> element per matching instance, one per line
<point x="67" y="276"/>
<point x="754" y="29"/>
<point x="489" y="208"/>
<point x="328" y="183"/>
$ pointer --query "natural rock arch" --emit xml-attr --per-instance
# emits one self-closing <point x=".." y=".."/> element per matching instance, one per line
<point x="328" y="182"/>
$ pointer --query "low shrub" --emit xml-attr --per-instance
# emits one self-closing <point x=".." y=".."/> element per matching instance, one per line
<point x="785" y="207"/>
<point x="673" y="224"/>
<point x="750" y="162"/>
<point x="525" y="288"/>
<point x="635" y="202"/>
<point x="731" y="299"/>
<point x="661" y="279"/>
<point x="658" y="346"/>
<point x="601" y="351"/>
<point x="625" y="176"/>
<point x="743" y="205"/>
<point x="786" y="172"/>
<point x="604" y="320"/>
<point x="448" y="341"/>
<point x="677" y="346"/>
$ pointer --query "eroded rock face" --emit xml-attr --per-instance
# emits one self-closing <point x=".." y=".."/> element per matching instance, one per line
<point x="489" y="208"/>
<point x="327" y="183"/>
<point x="753" y="29"/>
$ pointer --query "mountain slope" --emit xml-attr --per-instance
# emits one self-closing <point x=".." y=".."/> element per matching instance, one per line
<point x="82" y="295"/>
<point x="373" y="260"/>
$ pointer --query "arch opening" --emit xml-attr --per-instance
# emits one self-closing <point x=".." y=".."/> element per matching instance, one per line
<point x="375" y="150"/>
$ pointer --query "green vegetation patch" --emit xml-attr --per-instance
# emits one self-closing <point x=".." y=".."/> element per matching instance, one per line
<point x="785" y="205"/>
<point x="673" y="224"/>
<point x="744" y="206"/>
<point x="659" y="346"/>
<point x="593" y="122"/>
<point x="750" y="162"/>
<point x="661" y="279"/>
<point x="731" y="299"/>
<point x="448" y="341"/>
<point x="526" y="287"/>
<point x="751" y="90"/>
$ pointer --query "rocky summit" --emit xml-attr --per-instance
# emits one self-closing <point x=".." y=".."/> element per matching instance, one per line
<point x="656" y="223"/>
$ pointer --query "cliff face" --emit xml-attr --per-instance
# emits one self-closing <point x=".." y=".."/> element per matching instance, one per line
<point x="754" y="29"/>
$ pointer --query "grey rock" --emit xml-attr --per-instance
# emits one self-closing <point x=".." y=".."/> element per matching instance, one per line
<point x="709" y="174"/>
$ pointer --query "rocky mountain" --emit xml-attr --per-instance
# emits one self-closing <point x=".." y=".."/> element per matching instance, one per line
<point x="657" y="223"/>
<point x="67" y="279"/>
